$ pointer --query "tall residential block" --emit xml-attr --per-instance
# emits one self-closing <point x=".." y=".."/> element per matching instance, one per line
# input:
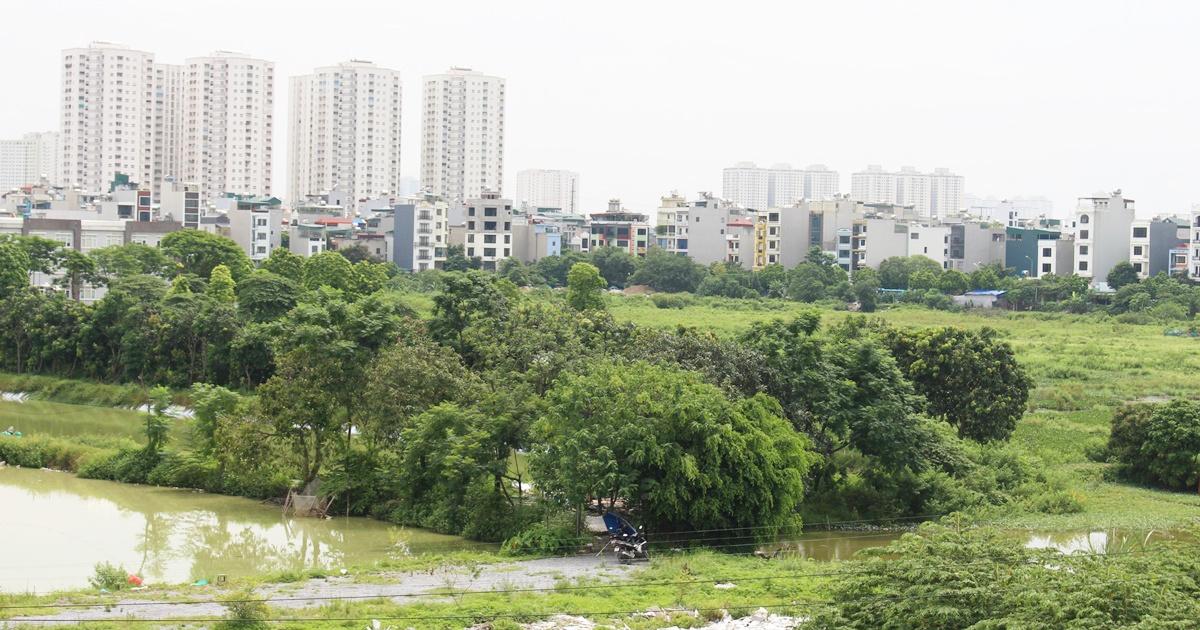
<point x="228" y="124"/>
<point x="778" y="186"/>
<point x="548" y="189"/>
<point x="208" y="121"/>
<point x="462" y="141"/>
<point x="345" y="131"/>
<point x="933" y="195"/>
<point x="26" y="160"/>
<point x="108" y="110"/>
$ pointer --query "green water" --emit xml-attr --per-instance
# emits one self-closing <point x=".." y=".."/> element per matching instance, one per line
<point x="36" y="417"/>
<point x="54" y="528"/>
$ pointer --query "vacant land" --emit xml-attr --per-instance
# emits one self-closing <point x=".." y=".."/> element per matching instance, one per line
<point x="1084" y="366"/>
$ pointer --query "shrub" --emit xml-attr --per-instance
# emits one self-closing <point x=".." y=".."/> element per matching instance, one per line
<point x="39" y="451"/>
<point x="541" y="539"/>
<point x="108" y="577"/>
<point x="1158" y="444"/>
<point x="1056" y="502"/>
<point x="672" y="300"/>
<point x="246" y="612"/>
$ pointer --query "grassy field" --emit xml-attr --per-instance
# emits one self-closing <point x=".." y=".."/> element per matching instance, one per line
<point x="39" y="417"/>
<point x="1083" y="366"/>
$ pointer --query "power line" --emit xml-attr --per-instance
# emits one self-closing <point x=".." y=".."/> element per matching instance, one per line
<point x="609" y="585"/>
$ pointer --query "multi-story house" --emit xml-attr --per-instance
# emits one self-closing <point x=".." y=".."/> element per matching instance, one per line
<point x="345" y="131"/>
<point x="255" y="223"/>
<point x="420" y="234"/>
<point x="462" y="140"/>
<point x="488" y="232"/>
<point x="621" y="228"/>
<point x="1103" y="235"/>
<point x="1039" y="250"/>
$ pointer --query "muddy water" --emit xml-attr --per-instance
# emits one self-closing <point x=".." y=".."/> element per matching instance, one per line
<point x="54" y="527"/>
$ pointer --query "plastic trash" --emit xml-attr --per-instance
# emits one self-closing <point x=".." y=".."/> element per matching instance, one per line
<point x="134" y="580"/>
<point x="200" y="582"/>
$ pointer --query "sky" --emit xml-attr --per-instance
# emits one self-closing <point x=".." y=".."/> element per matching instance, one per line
<point x="1053" y="98"/>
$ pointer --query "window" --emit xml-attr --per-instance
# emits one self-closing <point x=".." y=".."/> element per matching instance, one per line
<point x="1139" y="232"/>
<point x="914" y="236"/>
<point x="1046" y="252"/>
<point x="1083" y="234"/>
<point x="489" y="252"/>
<point x="1083" y="265"/>
<point x="489" y="212"/>
<point x="1045" y="267"/>
<point x="1137" y="250"/>
<point x="1083" y="218"/>
<point x="1083" y="250"/>
<point x="1137" y="267"/>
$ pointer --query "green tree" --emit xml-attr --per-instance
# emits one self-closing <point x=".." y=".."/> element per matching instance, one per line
<point x="158" y="424"/>
<point x="671" y="273"/>
<point x="953" y="282"/>
<point x="615" y="264"/>
<point x="923" y="279"/>
<point x="1158" y="444"/>
<point x="970" y="378"/>
<point x="132" y="258"/>
<point x="986" y="278"/>
<point x="221" y="286"/>
<point x="727" y="280"/>
<point x="865" y="282"/>
<point x="357" y="253"/>
<point x="284" y="263"/>
<point x="670" y="447"/>
<point x="199" y="252"/>
<point x="585" y="288"/>
<point x="370" y="277"/>
<point x="15" y="265"/>
<point x="554" y="269"/>
<point x="403" y="381"/>
<point x="210" y="403"/>
<point x="456" y="259"/>
<point x="463" y="298"/>
<point x="264" y="296"/>
<point x="1121" y="274"/>
<point x="329" y="269"/>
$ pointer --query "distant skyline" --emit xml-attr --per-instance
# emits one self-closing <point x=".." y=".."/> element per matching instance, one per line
<point x="1054" y="99"/>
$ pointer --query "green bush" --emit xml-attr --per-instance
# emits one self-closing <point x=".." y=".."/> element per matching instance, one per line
<point x="184" y="471"/>
<point x="1056" y="502"/>
<point x="78" y="392"/>
<point x="39" y="451"/>
<point x="672" y="300"/>
<point x="246" y="612"/>
<point x="542" y="539"/>
<point x="108" y="577"/>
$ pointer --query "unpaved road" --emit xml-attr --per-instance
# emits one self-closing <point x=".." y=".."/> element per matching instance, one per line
<point x="399" y="587"/>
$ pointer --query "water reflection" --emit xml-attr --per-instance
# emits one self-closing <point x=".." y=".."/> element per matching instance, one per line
<point x="54" y="527"/>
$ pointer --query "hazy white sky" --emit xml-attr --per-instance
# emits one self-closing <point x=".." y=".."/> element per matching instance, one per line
<point x="1052" y="97"/>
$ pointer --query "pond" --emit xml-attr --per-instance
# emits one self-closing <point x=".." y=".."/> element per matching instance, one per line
<point x="55" y="527"/>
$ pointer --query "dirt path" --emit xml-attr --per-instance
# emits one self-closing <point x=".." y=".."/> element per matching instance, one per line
<point x="399" y="587"/>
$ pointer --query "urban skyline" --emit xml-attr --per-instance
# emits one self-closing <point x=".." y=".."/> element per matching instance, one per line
<point x="1039" y="138"/>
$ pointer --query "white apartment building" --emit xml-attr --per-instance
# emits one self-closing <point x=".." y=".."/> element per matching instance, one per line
<point x="462" y="141"/>
<point x="548" y="188"/>
<point x="1103" y="235"/>
<point x="932" y="195"/>
<point x="108" y="115"/>
<point x="780" y="185"/>
<point x="489" y="229"/>
<point x="209" y="120"/>
<point x="228" y="123"/>
<point x="28" y="159"/>
<point x="344" y="131"/>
